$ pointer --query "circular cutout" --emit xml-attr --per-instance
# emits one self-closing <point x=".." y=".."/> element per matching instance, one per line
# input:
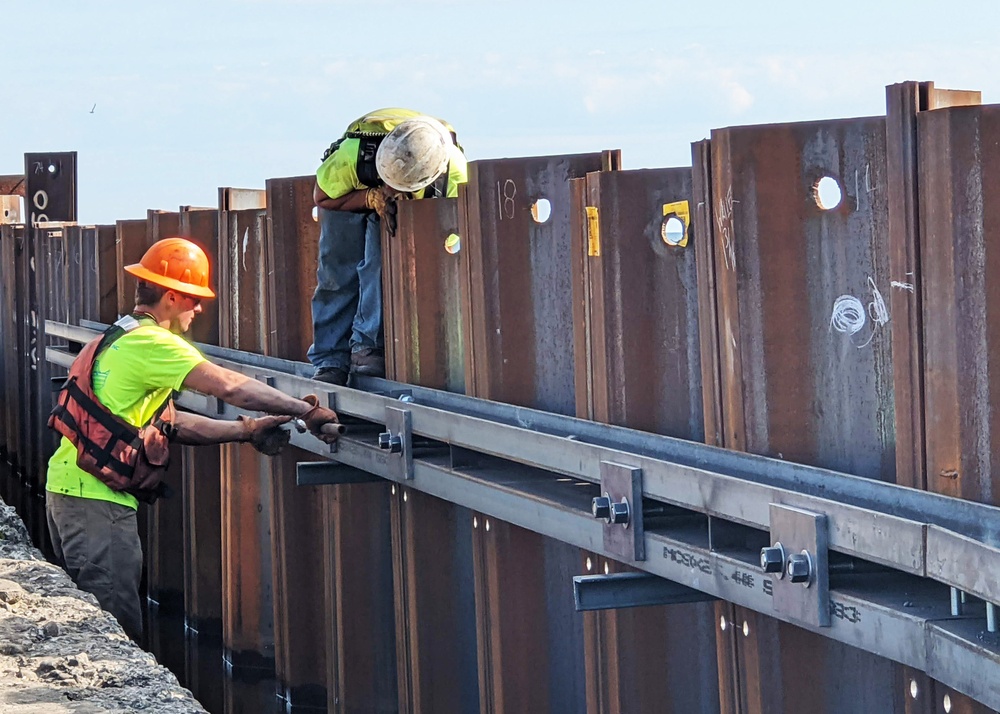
<point x="607" y="569"/>
<point x="52" y="168"/>
<point x="590" y="565"/>
<point x="673" y="230"/>
<point x="487" y="525"/>
<point x="475" y="522"/>
<point x="453" y="244"/>
<point x="541" y="210"/>
<point x="722" y="623"/>
<point x="746" y="628"/>
<point x="404" y="496"/>
<point x="315" y="214"/>
<point x="914" y="689"/>
<point x="827" y="193"/>
<point x="947" y="703"/>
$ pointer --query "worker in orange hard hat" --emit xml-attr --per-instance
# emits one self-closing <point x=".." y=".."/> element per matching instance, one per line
<point x="385" y="156"/>
<point x="116" y="417"/>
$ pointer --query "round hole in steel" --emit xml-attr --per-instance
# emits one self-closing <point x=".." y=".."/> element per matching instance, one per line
<point x="607" y="569"/>
<point x="827" y="193"/>
<point x="315" y="214"/>
<point x="52" y="168"/>
<point x="541" y="210"/>
<point x="746" y="628"/>
<point x="672" y="230"/>
<point x="947" y="703"/>
<point x="452" y="244"/>
<point x="722" y="623"/>
<point x="475" y="522"/>
<point x="590" y="565"/>
<point x="914" y="689"/>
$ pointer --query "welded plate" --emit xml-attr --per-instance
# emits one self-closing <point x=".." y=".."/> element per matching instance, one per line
<point x="624" y="482"/>
<point x="397" y="423"/>
<point x="798" y="530"/>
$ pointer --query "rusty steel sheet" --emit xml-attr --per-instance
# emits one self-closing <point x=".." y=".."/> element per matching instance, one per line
<point x="300" y="571"/>
<point x="907" y="204"/>
<point x="202" y="226"/>
<point x="801" y="285"/>
<point x="423" y="316"/>
<point x="638" y="295"/>
<point x="431" y="538"/>
<point x="361" y="654"/>
<point x="11" y="239"/>
<point x="165" y="518"/>
<point x="12" y="185"/>
<point x="130" y="244"/>
<point x="517" y="312"/>
<point x="957" y="182"/>
<point x="247" y="591"/>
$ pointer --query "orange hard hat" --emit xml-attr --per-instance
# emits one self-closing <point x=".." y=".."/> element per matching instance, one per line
<point x="176" y="264"/>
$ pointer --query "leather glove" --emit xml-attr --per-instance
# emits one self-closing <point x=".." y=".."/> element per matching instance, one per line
<point x="383" y="200"/>
<point x="265" y="433"/>
<point x="321" y="422"/>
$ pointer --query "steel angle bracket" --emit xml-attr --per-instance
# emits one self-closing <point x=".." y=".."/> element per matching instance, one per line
<point x="621" y="508"/>
<point x="801" y="587"/>
<point x="397" y="439"/>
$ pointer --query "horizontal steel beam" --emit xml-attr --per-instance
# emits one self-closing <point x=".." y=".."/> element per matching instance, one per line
<point x="621" y="590"/>
<point x="519" y="466"/>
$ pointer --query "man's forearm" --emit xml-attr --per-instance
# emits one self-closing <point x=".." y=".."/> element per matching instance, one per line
<point x="196" y="430"/>
<point x="353" y="201"/>
<point x="257" y="396"/>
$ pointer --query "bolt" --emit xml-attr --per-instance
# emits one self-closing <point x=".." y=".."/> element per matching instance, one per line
<point x="383" y="440"/>
<point x="619" y="513"/>
<point x="991" y="617"/>
<point x="772" y="559"/>
<point x="395" y="444"/>
<point x="799" y="568"/>
<point x="601" y="508"/>
<point x="956" y="602"/>
<point x="406" y="398"/>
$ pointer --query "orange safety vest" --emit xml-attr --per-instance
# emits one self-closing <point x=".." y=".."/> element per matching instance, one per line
<point x="122" y="456"/>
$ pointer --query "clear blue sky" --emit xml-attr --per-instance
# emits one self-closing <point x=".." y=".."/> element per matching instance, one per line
<point x="195" y="95"/>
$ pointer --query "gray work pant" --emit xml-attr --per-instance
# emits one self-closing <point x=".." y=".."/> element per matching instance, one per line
<point x="98" y="544"/>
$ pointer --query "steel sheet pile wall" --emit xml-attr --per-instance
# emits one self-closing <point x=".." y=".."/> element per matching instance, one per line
<point x="637" y="365"/>
<point x="851" y="332"/>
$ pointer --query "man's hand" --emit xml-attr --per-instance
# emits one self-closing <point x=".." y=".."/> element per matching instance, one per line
<point x="265" y="433"/>
<point x="383" y="200"/>
<point x="321" y="422"/>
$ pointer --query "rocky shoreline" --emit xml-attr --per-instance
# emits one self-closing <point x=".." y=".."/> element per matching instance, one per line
<point x="60" y="652"/>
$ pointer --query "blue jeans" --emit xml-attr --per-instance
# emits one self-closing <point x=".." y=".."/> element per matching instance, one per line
<point x="347" y="304"/>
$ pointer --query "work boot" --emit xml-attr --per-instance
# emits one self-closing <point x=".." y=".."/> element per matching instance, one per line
<point x="368" y="361"/>
<point x="331" y="375"/>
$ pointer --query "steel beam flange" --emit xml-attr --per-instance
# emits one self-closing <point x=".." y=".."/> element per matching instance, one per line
<point x="803" y="594"/>
<point x="398" y="441"/>
<point x="623" y="531"/>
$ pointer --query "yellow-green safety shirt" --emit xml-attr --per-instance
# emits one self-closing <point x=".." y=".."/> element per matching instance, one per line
<point x="338" y="175"/>
<point x="132" y="379"/>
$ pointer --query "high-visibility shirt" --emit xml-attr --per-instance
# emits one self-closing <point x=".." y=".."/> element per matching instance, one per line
<point x="132" y="378"/>
<point x="338" y="174"/>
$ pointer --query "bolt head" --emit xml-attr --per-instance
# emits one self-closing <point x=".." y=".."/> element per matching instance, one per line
<point x="395" y="444"/>
<point x="383" y="440"/>
<point x="620" y="512"/>
<point x="601" y="507"/>
<point x="772" y="559"/>
<point x="799" y="568"/>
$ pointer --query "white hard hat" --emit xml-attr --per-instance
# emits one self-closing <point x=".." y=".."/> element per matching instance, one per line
<point x="413" y="154"/>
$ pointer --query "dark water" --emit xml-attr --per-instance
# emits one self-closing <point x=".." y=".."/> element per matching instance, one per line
<point x="197" y="659"/>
